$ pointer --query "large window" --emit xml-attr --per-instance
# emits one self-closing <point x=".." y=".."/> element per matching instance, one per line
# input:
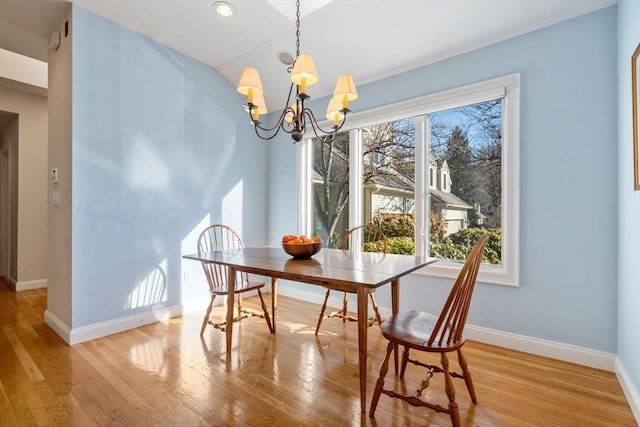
<point x="434" y="173"/>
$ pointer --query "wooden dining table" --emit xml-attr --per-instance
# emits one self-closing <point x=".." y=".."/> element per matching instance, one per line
<point x="359" y="271"/>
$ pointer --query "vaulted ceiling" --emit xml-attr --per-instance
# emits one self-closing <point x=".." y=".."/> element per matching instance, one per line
<point x="370" y="39"/>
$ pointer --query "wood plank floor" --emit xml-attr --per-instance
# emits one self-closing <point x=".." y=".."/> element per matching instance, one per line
<point x="164" y="374"/>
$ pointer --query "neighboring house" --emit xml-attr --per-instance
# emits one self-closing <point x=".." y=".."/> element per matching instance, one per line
<point x="387" y="193"/>
<point x="480" y="217"/>
<point x="444" y="204"/>
<point x="393" y="193"/>
<point x="386" y="190"/>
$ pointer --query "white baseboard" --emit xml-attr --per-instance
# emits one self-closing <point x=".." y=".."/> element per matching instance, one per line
<point x="555" y="350"/>
<point x="315" y="298"/>
<point x="566" y="352"/>
<point x="99" y="330"/>
<point x="629" y="389"/>
<point x="200" y="305"/>
<point x="57" y="325"/>
<point x="26" y="285"/>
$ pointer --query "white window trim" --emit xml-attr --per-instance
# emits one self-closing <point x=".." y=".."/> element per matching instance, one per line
<point x="356" y="165"/>
<point x="508" y="87"/>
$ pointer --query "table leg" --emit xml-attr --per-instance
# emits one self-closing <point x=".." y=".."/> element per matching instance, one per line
<point x="231" y="284"/>
<point x="395" y="304"/>
<point x="274" y="302"/>
<point x="363" y="318"/>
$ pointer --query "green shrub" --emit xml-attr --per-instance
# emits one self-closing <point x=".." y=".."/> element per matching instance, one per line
<point x="395" y="225"/>
<point x="447" y="250"/>
<point x="437" y="229"/>
<point x="463" y="241"/>
<point x="373" y="246"/>
<point x="399" y="229"/>
<point x="401" y="245"/>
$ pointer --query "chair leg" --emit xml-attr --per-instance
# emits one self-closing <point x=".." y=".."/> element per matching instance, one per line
<point x="467" y="376"/>
<point x="239" y="298"/>
<point x="265" y="312"/>
<point x="375" y="309"/>
<point x="205" y="321"/>
<point x="322" y="310"/>
<point x="380" y="383"/>
<point x="405" y="359"/>
<point x="451" y="391"/>
<point x="345" y="300"/>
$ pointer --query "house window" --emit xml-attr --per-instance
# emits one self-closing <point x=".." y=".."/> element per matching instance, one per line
<point x="467" y="137"/>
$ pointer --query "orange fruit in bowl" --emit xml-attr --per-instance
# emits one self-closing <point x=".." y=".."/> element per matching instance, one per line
<point x="292" y="239"/>
<point x="301" y="246"/>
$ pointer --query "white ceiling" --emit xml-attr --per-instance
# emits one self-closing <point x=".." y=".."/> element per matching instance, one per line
<point x="370" y="39"/>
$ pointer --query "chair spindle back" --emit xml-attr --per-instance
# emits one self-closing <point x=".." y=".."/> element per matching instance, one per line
<point x="218" y="237"/>
<point x="452" y="319"/>
<point x="356" y="237"/>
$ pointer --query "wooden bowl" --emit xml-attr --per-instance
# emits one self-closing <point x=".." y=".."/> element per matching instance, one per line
<point x="302" y="250"/>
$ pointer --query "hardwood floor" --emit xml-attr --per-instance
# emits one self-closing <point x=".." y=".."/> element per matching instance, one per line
<point x="164" y="374"/>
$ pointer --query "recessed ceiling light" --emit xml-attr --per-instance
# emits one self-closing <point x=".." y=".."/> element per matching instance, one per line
<point x="224" y="8"/>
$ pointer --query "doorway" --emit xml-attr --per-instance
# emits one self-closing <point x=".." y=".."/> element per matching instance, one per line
<point x="7" y="138"/>
<point x="5" y="212"/>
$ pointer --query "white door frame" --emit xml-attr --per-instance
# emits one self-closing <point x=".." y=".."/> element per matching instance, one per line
<point x="5" y="212"/>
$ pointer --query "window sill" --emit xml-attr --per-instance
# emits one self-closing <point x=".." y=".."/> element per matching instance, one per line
<point x="495" y="275"/>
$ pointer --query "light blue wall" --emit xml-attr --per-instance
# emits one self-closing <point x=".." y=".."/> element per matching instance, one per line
<point x="568" y="180"/>
<point x="161" y="148"/>
<point x="629" y="203"/>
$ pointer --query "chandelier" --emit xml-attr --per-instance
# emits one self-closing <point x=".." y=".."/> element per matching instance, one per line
<point x="296" y="117"/>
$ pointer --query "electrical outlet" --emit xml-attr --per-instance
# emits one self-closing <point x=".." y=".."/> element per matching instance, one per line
<point x="187" y="276"/>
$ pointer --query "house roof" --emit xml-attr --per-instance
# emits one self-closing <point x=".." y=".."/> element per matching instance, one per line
<point x="400" y="183"/>
<point x="392" y="182"/>
<point x="449" y="199"/>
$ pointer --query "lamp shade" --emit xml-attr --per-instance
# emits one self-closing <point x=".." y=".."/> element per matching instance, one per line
<point x="304" y="68"/>
<point x="334" y="110"/>
<point x="250" y="83"/>
<point x="345" y="87"/>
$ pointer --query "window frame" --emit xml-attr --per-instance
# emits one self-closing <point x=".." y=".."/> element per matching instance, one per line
<point x="507" y="88"/>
